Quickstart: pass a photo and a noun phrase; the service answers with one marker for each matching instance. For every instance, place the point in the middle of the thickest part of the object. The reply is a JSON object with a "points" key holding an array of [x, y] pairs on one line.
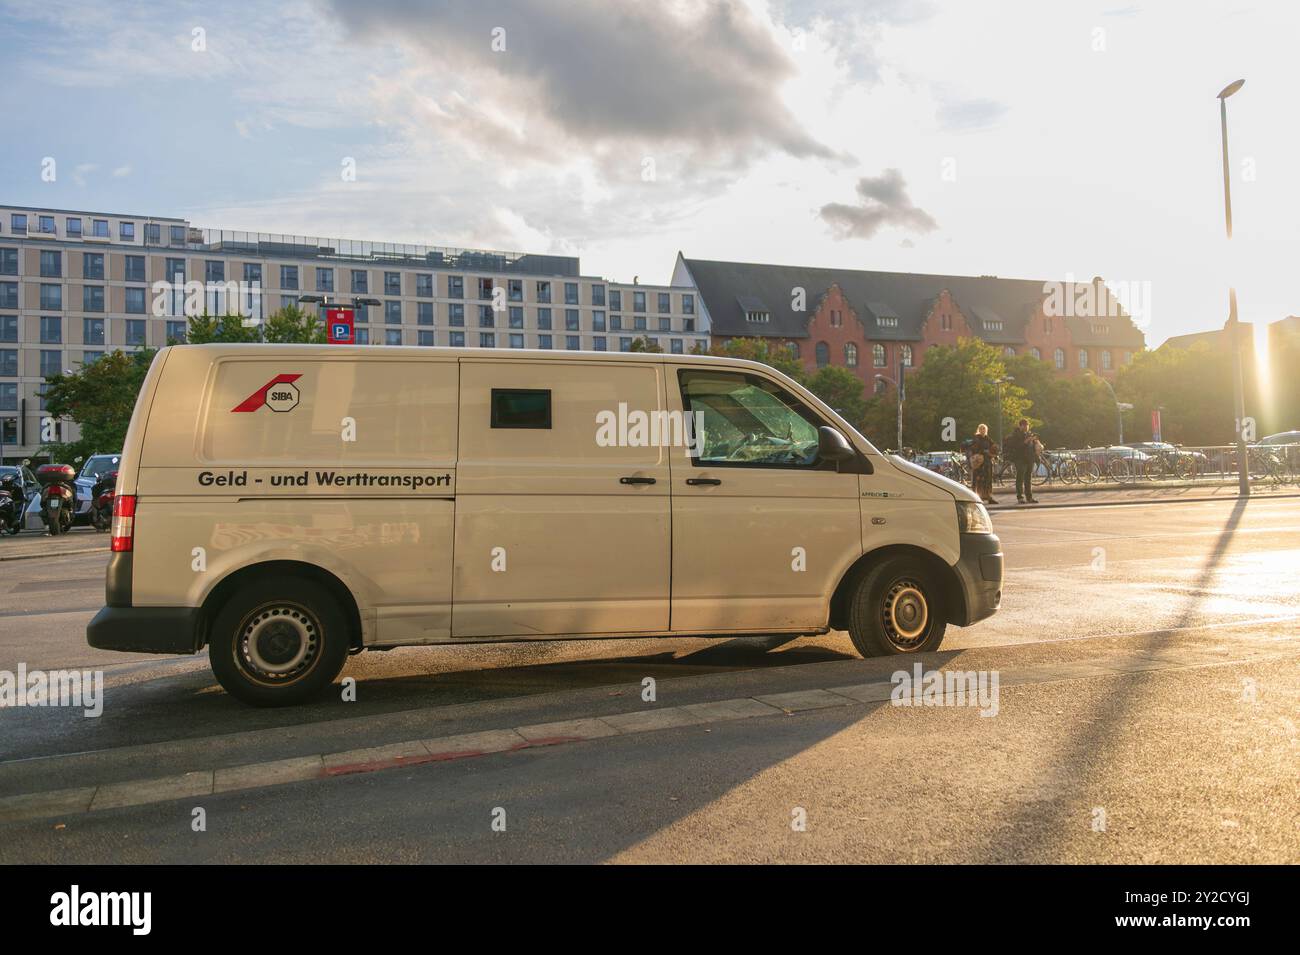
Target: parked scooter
{"points": [[12, 503], [101, 501], [58, 499]]}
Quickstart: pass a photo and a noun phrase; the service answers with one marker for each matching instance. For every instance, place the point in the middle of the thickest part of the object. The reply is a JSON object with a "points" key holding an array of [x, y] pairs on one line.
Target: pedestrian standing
{"points": [[1023, 448], [982, 452]]}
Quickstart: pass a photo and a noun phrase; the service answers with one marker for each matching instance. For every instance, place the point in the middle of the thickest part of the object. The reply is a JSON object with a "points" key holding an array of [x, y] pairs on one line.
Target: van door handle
{"points": [[711, 482], [636, 480]]}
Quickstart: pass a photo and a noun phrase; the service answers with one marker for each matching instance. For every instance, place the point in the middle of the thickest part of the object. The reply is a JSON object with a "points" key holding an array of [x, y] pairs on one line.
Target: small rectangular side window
{"points": [[521, 408]]}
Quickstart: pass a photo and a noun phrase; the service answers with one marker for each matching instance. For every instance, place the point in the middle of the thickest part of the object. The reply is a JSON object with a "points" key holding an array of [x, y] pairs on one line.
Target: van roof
{"points": [[447, 353]]}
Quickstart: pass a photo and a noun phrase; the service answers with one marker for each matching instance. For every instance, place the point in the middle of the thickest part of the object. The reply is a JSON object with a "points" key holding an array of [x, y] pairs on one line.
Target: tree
{"points": [[842, 390], [1193, 388], [289, 324], [760, 350], [643, 344], [1068, 411], [956, 382], [99, 398]]}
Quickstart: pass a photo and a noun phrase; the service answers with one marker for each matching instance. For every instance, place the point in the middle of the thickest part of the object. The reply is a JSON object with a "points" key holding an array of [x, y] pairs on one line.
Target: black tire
{"points": [[55, 525], [278, 642], [880, 622]]}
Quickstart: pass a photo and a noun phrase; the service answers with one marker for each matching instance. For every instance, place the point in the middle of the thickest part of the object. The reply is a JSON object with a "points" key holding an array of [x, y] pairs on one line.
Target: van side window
{"points": [[521, 408], [748, 421]]}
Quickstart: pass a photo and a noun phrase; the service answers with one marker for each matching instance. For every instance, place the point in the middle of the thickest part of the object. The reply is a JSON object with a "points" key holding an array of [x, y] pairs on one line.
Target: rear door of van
{"points": [[562, 526], [333, 457]]}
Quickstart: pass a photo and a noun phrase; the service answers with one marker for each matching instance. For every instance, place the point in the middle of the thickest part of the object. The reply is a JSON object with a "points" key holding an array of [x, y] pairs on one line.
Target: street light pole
{"points": [[898, 390], [1000, 382], [1233, 327]]}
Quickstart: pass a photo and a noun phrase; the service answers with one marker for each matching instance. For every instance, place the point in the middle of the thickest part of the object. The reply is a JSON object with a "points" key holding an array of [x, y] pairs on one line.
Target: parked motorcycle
{"points": [[12, 503], [58, 498], [101, 501]]}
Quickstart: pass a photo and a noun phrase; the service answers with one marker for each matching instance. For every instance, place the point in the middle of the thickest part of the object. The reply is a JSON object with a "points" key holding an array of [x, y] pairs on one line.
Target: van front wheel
{"points": [[278, 642], [896, 607]]}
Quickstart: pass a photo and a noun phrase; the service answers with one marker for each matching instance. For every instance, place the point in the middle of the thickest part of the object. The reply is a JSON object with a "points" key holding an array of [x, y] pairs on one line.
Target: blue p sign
{"points": [[341, 330]]}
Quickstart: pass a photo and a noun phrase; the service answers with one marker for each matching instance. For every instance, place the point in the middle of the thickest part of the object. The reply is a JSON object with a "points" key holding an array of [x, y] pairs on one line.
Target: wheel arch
{"points": [[229, 584], [954, 599]]}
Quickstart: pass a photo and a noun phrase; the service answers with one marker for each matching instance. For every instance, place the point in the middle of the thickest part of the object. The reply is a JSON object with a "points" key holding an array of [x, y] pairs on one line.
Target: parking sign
{"points": [[339, 321]]}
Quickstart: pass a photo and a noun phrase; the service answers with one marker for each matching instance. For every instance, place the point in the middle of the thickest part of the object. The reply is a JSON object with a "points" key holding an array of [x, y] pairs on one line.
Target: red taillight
{"points": [[123, 522]]}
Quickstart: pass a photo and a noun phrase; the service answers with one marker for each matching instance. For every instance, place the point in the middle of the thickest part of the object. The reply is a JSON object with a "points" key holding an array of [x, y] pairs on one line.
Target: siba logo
{"points": [[278, 394]]}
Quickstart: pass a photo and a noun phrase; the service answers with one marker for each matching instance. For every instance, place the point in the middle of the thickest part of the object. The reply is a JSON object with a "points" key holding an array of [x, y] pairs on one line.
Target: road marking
{"points": [[62, 802]]}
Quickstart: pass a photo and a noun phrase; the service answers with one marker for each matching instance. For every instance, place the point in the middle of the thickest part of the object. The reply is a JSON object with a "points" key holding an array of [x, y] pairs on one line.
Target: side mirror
{"points": [[832, 445], [27, 462]]}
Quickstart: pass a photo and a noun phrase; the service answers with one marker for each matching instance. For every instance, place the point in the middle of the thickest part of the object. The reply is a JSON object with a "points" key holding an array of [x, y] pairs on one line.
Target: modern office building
{"points": [[74, 285]]}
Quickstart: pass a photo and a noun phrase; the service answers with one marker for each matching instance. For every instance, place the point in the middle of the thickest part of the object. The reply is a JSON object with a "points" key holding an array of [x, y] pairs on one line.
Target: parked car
{"points": [[495, 496], [1282, 437], [96, 466]]}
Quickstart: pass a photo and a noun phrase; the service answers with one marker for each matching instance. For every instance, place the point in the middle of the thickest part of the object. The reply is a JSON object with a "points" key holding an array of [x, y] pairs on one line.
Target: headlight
{"points": [[972, 518]]}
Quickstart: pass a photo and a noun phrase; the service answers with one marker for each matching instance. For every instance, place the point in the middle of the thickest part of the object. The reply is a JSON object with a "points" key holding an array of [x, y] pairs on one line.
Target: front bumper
{"points": [[979, 568], [145, 629]]}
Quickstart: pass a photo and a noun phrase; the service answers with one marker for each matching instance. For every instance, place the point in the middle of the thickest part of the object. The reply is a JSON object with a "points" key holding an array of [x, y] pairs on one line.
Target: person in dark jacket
{"points": [[982, 451], [1022, 449]]}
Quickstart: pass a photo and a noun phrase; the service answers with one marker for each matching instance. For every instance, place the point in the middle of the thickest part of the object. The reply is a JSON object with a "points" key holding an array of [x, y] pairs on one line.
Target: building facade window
{"points": [[456, 314], [544, 319], [324, 280], [598, 295], [289, 276], [135, 331], [597, 320], [571, 323], [823, 354], [544, 341], [516, 340], [1083, 358], [214, 270], [688, 304], [906, 356], [424, 313], [851, 355], [72, 227], [424, 285], [92, 298], [360, 282], [487, 340], [176, 332], [878, 356], [570, 293], [152, 233], [51, 330], [8, 261], [134, 268], [134, 301], [8, 328], [51, 264], [665, 303], [1058, 358], [486, 317], [51, 363], [638, 301], [175, 271], [92, 265], [1105, 361], [544, 292], [392, 283], [615, 300], [92, 331], [392, 336], [424, 338], [571, 343], [516, 317], [456, 339], [455, 286], [392, 312], [1036, 353], [9, 362], [177, 234], [126, 231], [485, 289], [1008, 352], [515, 290], [8, 294]]}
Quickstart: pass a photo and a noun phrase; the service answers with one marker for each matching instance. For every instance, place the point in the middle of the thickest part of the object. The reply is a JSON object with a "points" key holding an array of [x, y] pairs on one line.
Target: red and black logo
{"points": [[278, 394]]}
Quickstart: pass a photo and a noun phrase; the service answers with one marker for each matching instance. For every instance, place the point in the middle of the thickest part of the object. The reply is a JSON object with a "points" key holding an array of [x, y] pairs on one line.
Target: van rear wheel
{"points": [[278, 642], [896, 607]]}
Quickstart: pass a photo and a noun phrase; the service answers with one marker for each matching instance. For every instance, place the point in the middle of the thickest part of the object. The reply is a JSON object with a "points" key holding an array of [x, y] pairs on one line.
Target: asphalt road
{"points": [[1182, 765]]}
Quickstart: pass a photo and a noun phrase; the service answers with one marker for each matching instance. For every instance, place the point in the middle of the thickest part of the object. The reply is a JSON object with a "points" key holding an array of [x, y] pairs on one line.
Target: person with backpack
{"points": [[1024, 450]]}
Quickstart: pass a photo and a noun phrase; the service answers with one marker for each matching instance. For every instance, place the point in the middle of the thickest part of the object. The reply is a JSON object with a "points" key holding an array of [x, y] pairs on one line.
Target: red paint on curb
{"points": [[349, 769]]}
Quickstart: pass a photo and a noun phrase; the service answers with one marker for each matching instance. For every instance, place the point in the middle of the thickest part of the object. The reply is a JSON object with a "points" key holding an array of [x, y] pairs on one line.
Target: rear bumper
{"points": [[979, 568], [145, 629]]}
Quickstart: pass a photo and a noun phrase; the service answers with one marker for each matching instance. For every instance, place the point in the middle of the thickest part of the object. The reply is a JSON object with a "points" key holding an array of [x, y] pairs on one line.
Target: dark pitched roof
{"points": [[985, 300]]}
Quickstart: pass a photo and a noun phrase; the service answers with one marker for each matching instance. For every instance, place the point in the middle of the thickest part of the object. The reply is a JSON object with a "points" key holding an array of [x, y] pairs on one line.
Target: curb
{"points": [[1154, 500], [62, 553]]}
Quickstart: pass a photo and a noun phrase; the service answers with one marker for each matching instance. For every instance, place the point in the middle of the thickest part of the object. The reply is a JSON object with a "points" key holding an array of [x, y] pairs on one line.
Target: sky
{"points": [[1054, 141]]}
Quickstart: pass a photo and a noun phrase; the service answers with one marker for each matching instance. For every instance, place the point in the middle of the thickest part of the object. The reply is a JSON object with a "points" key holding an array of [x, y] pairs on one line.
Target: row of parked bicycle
{"points": [[58, 497], [1273, 460]]}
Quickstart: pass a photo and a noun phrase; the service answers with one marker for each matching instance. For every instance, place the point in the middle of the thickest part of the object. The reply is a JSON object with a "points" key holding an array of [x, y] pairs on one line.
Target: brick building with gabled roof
{"points": [[870, 321]]}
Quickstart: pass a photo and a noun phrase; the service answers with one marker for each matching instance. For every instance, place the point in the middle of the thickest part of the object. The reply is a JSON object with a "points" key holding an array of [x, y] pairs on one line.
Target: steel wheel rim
{"points": [[905, 614], [278, 642]]}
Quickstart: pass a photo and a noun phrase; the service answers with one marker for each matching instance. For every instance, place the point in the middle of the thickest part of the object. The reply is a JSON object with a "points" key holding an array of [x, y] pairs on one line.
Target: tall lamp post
{"points": [[898, 390], [1005, 379], [1233, 327], [1120, 406]]}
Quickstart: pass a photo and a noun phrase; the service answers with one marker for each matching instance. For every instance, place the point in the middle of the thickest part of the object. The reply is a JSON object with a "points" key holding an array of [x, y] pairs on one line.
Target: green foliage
{"points": [[760, 350], [955, 381], [842, 390], [1069, 411], [1192, 385], [289, 325], [643, 344], [99, 398]]}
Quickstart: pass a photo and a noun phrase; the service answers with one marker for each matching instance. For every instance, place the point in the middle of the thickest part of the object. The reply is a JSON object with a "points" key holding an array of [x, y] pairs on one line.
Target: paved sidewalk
{"points": [[1064, 496]]}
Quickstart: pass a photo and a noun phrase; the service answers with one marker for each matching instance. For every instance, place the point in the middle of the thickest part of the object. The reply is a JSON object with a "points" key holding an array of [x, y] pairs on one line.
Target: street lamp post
{"points": [[1120, 406], [1233, 327], [1000, 382], [898, 390]]}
